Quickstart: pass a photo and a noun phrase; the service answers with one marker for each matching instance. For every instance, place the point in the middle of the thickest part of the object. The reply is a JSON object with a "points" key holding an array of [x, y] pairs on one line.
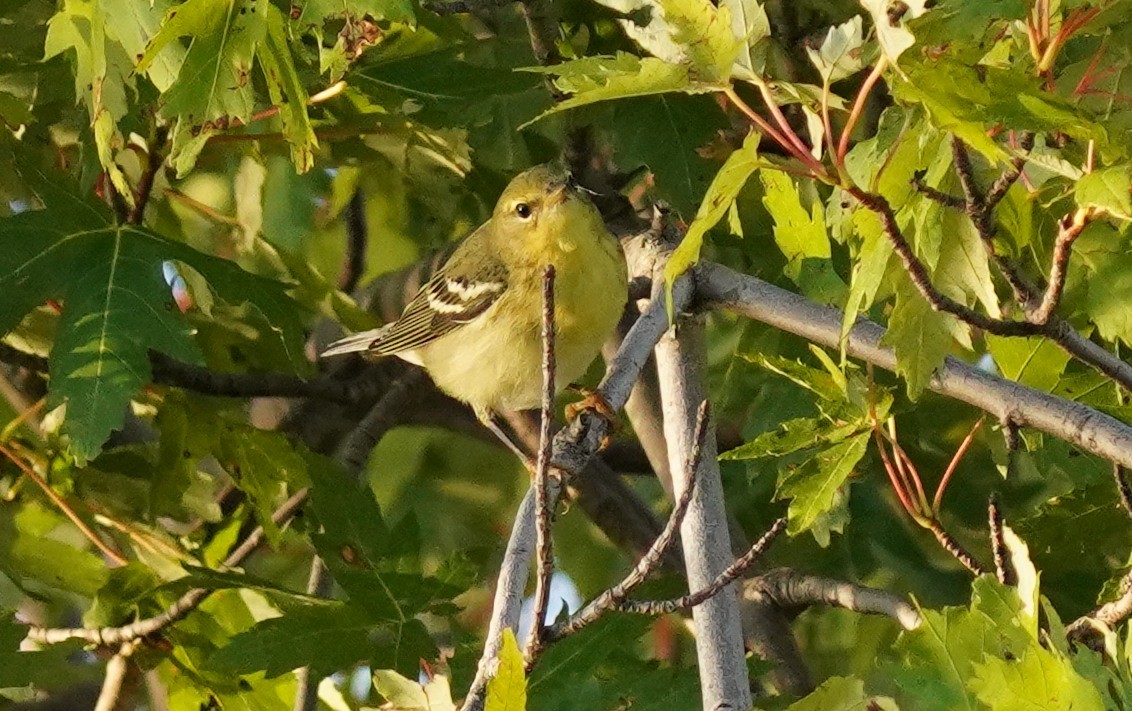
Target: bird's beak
{"points": [[558, 195]]}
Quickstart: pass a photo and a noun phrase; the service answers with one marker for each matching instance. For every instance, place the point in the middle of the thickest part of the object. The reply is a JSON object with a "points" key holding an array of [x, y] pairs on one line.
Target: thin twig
{"points": [[116, 669], [918, 273], [953, 547], [319, 584], [732, 573], [945, 199], [544, 511], [116, 558], [859, 107], [1069, 229], [574, 447], [999, 188], [355, 450], [611, 598], [112, 636], [1002, 568]]}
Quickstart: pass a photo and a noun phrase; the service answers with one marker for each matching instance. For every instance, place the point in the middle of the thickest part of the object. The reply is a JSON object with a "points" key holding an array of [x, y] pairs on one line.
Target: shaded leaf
{"points": [[720, 195]]}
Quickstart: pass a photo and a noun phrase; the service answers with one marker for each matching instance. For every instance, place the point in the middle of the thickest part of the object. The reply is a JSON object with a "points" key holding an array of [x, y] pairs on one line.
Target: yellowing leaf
{"points": [[840, 52], [693, 33], [102, 72], [507, 690], [214, 87], [750, 27], [800, 234], [889, 18]]}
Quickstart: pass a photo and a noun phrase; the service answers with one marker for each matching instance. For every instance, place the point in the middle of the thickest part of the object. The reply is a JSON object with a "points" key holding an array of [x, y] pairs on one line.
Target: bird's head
{"points": [[541, 198]]}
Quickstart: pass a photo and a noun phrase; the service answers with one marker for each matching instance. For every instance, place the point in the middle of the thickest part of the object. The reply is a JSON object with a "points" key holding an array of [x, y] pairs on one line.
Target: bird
{"points": [[476, 324]]}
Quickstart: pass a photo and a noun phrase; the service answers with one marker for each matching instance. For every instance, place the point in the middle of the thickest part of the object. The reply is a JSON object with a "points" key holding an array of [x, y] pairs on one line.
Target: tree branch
{"points": [[681, 357], [791, 589], [1084, 427], [116, 671], [1002, 569]]}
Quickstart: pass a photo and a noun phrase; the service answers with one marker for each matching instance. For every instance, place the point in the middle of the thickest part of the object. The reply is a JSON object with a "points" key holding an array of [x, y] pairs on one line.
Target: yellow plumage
{"points": [[476, 326]]}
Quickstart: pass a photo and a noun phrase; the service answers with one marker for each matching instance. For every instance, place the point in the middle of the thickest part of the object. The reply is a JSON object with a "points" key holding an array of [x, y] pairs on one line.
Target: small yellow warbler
{"points": [[476, 325]]}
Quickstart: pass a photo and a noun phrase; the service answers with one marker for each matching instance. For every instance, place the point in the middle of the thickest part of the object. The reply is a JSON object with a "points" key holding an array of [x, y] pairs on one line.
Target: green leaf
{"points": [[594, 79], [287, 91], [720, 195], [792, 436], [800, 233], [920, 337], [665, 133], [841, 693], [264, 465], [813, 485], [1108, 190], [507, 690], [1032, 361], [1106, 277], [1039, 679], [214, 86], [117, 305], [938, 658], [325, 637], [19, 669], [364, 555], [869, 268], [134, 25], [34, 560], [492, 100]]}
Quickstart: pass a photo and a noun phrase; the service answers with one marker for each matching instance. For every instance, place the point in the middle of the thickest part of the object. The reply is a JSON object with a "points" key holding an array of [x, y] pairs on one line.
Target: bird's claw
{"points": [[593, 401]]}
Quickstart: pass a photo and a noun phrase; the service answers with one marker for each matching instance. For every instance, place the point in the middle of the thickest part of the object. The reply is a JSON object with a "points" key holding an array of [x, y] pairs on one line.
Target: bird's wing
{"points": [[448, 301]]}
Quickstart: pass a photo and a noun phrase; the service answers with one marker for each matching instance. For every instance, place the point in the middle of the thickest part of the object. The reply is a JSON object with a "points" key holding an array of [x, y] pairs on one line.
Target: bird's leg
{"points": [[494, 423], [595, 402]]}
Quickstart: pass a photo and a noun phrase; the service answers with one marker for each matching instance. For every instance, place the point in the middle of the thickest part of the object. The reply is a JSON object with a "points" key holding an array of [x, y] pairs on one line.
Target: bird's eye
{"points": [[523, 210]]}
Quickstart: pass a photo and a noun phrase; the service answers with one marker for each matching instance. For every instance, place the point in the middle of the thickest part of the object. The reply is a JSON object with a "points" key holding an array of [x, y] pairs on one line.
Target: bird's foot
{"points": [[593, 401]]}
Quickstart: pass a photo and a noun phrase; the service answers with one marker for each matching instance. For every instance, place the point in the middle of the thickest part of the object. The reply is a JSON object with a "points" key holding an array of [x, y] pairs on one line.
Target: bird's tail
{"points": [[352, 344]]}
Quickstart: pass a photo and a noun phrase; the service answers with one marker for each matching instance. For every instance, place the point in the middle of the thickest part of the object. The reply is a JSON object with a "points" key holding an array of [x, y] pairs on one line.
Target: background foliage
{"points": [[174, 180]]}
